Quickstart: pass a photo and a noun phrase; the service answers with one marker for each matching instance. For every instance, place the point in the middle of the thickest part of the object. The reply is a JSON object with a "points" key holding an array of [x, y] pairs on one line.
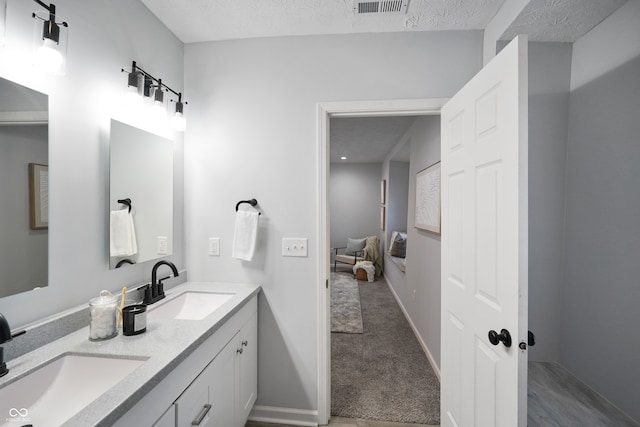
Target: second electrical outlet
{"points": [[214, 246]]}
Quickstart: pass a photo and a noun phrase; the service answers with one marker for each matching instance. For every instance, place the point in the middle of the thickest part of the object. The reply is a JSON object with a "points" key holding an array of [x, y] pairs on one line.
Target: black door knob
{"points": [[531, 339], [504, 336]]}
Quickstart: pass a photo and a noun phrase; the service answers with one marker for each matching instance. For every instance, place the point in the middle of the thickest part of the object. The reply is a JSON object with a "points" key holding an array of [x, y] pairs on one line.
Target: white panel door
{"points": [[484, 246]]}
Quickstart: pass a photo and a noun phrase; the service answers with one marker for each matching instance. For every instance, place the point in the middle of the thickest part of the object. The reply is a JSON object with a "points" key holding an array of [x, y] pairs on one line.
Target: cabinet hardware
{"points": [[239, 351], [203, 413], [245, 343]]}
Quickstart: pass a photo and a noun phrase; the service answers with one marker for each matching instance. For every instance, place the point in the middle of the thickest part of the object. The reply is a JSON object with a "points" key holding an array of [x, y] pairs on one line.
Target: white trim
{"points": [[326, 110], [20, 118], [288, 416], [432, 361]]}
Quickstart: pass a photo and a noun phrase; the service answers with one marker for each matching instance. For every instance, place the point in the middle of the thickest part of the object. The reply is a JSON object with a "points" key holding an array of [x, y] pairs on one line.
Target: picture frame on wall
{"points": [[427, 212], [38, 196], [383, 191]]}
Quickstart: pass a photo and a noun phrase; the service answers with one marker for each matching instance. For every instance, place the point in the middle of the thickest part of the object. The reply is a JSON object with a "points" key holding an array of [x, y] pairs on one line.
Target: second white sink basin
{"points": [[55, 392], [191, 305]]}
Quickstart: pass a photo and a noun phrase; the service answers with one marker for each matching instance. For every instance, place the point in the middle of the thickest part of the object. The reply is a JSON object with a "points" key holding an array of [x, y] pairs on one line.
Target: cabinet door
{"points": [[168, 419], [247, 371], [193, 406], [220, 374]]}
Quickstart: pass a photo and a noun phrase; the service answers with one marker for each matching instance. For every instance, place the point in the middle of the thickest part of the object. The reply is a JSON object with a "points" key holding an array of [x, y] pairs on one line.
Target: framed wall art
{"points": [[427, 215], [38, 196]]}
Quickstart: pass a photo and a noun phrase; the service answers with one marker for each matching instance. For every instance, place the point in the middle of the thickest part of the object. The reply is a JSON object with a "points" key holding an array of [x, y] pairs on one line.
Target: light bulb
{"points": [[158, 111], [178, 122], [48, 58], [132, 98]]}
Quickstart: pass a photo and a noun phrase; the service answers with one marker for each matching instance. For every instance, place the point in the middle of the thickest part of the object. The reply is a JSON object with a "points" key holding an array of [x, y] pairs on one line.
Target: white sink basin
{"points": [[55, 392], [191, 305]]}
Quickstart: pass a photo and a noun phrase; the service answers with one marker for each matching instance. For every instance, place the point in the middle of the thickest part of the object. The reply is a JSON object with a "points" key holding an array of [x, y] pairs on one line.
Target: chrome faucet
{"points": [[5, 336], [155, 290]]}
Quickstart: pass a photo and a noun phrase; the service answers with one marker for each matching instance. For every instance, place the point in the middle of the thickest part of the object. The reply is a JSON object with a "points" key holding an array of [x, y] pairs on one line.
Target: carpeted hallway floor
{"points": [[382, 374]]}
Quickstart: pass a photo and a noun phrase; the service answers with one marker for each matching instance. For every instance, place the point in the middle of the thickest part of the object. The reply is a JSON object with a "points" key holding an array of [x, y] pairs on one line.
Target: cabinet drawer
{"points": [[193, 406]]}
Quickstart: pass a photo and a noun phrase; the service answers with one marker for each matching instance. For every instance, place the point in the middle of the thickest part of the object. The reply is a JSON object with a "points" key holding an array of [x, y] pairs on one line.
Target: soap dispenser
{"points": [[5, 336]]}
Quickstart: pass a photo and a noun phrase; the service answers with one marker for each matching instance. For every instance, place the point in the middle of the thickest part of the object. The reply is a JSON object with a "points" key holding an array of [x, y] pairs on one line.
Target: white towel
{"points": [[244, 237], [122, 234]]}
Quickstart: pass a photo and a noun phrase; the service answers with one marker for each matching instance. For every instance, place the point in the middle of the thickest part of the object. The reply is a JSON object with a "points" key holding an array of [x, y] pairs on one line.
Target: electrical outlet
{"points": [[294, 247], [214, 246], [163, 245]]}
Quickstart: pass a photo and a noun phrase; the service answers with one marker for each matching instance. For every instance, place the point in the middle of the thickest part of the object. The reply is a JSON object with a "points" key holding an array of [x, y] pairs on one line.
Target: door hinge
{"points": [[326, 284]]}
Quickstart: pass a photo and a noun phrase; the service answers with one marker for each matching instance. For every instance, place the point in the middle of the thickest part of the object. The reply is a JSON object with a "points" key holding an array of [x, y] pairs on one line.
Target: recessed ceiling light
{"points": [[343, 158]]}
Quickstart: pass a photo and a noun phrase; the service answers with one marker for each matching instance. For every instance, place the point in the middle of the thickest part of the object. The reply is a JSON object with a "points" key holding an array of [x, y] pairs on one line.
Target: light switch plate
{"points": [[163, 245], [214, 246], [294, 246]]}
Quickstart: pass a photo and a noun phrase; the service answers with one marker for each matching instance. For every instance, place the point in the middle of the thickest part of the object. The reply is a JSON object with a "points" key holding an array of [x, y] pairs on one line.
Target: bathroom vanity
{"points": [[195, 365]]}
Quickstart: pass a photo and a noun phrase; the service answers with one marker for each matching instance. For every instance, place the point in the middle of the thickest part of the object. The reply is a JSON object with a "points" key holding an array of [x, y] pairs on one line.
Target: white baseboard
{"points": [[430, 358], [277, 415]]}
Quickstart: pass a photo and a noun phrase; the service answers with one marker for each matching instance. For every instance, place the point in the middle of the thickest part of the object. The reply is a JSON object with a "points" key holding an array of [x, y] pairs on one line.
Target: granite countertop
{"points": [[165, 344]]}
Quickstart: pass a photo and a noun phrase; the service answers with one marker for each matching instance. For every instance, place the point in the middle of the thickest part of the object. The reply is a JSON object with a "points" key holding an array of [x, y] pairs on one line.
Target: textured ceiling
{"points": [[366, 139], [205, 20], [560, 20]]}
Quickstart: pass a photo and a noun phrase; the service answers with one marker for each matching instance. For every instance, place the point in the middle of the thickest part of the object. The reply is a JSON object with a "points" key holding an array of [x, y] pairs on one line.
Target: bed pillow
{"points": [[355, 245], [399, 246]]}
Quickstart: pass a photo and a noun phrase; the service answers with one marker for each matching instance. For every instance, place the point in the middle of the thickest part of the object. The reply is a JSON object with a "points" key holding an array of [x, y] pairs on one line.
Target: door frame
{"points": [[326, 111]]}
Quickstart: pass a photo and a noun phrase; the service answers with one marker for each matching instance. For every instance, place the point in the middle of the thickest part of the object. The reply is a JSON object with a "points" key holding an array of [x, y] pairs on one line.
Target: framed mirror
{"points": [[24, 188], [140, 196]]}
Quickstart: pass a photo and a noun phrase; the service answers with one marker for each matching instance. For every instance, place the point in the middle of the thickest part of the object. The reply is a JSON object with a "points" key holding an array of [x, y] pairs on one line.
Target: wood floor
{"points": [[558, 399]]}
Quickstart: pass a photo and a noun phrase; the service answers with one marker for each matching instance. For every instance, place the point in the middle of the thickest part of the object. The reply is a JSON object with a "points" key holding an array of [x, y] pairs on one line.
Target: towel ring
{"points": [[252, 202], [127, 202]]}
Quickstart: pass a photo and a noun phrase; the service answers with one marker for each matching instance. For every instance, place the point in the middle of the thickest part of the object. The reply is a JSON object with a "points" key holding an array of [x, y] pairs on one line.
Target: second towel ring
{"points": [[126, 202]]}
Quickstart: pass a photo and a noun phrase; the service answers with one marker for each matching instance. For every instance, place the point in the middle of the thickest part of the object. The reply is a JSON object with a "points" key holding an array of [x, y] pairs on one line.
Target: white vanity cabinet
{"points": [[215, 386], [224, 393], [246, 370], [209, 400]]}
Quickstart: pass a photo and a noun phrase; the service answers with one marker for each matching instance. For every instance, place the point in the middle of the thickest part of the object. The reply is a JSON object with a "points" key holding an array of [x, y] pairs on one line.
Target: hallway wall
{"points": [[354, 201], [418, 289]]}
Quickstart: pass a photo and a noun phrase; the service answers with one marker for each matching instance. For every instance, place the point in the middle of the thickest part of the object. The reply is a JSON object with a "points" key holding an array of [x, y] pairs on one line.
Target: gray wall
{"points": [[419, 288], [256, 122], [354, 200], [549, 85], [103, 38], [23, 252], [600, 314], [397, 199]]}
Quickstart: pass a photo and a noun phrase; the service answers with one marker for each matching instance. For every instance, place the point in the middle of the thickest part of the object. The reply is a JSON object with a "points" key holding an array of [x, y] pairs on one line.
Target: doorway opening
{"points": [[326, 112]]}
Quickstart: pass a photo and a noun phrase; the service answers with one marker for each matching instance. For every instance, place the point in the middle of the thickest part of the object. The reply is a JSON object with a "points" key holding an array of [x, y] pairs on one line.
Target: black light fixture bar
{"points": [[51, 29], [159, 83]]}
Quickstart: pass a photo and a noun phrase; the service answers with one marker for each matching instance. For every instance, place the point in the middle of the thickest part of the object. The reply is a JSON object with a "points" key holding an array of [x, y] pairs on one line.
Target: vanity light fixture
{"points": [[50, 40], [142, 84]]}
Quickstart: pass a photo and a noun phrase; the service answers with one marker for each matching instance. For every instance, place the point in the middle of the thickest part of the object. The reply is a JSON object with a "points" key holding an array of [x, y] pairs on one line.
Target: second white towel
{"points": [[122, 234], [245, 235]]}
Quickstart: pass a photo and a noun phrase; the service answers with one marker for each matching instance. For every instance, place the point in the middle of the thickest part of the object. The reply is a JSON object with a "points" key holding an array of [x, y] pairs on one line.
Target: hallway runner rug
{"points": [[382, 374], [346, 316]]}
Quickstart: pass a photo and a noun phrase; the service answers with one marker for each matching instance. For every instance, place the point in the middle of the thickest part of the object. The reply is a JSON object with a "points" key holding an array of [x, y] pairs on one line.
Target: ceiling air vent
{"points": [[377, 7]]}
